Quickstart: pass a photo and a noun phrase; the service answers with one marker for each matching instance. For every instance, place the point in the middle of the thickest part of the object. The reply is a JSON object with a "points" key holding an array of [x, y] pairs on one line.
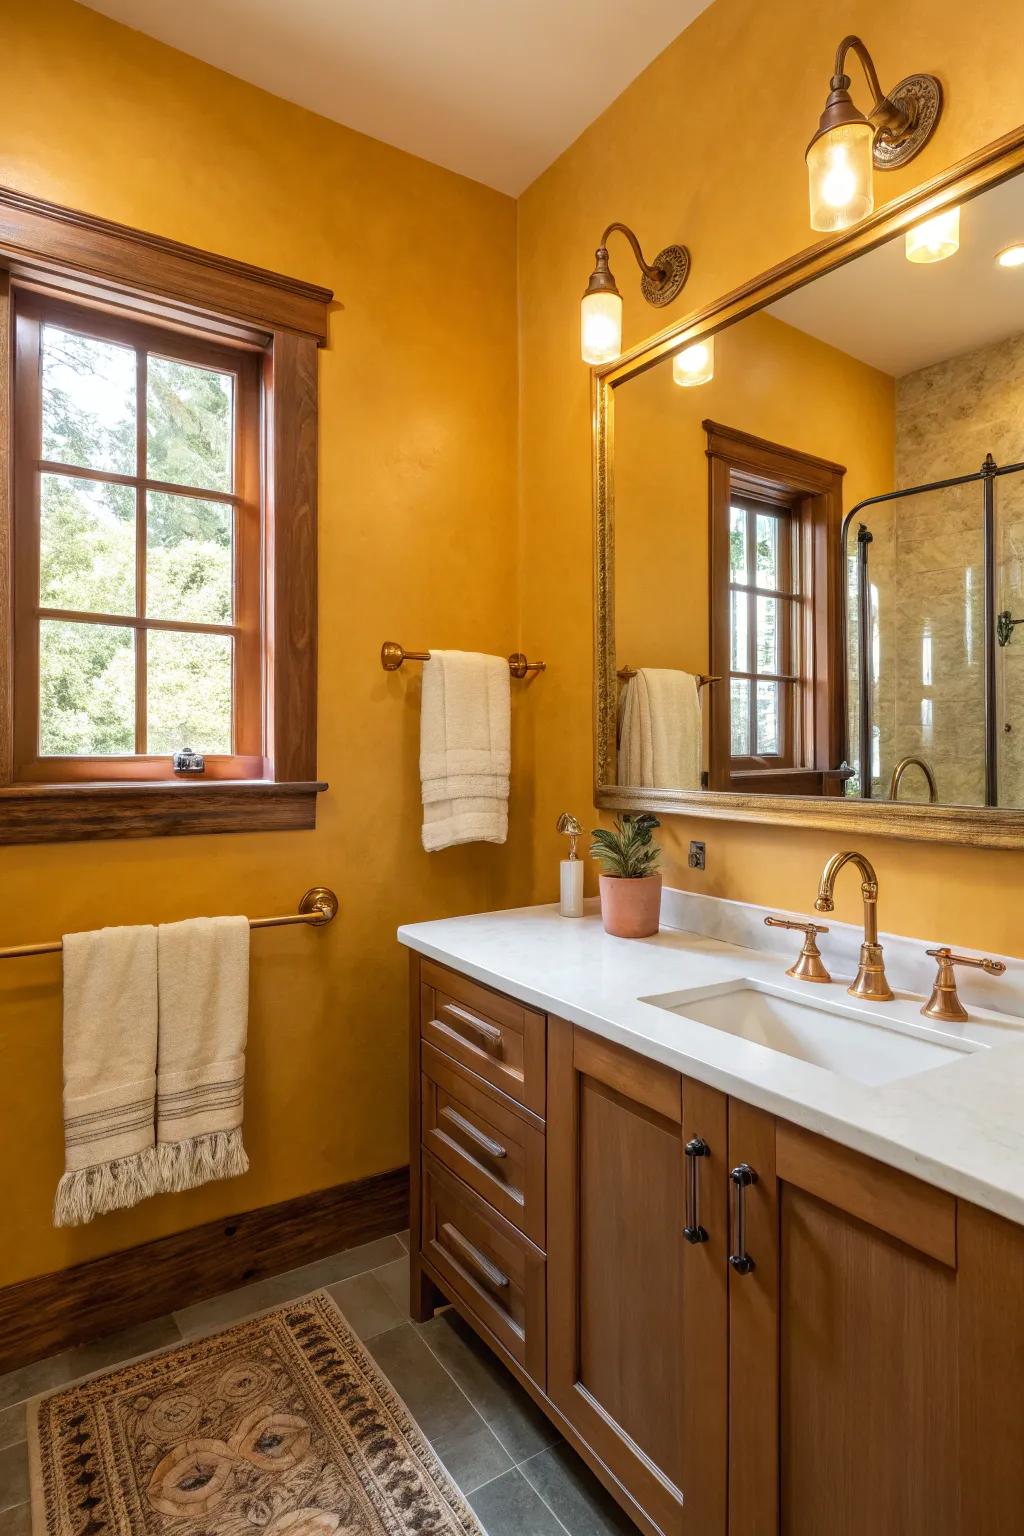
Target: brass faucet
{"points": [[870, 981], [901, 768]]}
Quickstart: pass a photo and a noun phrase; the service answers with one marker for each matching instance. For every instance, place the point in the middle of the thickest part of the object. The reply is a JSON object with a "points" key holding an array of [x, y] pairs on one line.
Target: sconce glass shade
{"points": [[935, 239], [1013, 256], [840, 176], [696, 364], [601, 327]]}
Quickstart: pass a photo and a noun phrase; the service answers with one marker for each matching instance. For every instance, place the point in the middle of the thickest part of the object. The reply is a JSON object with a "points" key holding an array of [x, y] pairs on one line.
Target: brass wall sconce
{"points": [[849, 146], [661, 281]]}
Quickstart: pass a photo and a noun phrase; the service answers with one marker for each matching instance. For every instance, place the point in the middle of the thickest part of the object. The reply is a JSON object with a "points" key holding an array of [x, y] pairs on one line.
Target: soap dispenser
{"points": [[570, 869]]}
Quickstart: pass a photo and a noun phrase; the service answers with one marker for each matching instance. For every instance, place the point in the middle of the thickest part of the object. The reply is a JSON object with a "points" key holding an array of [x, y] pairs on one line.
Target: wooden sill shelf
{"points": [[66, 813]]}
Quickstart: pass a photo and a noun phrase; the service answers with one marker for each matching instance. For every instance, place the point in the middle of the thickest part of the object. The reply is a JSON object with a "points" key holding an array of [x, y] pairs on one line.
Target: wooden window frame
{"points": [[276, 324], [247, 760], [789, 677], [744, 468]]}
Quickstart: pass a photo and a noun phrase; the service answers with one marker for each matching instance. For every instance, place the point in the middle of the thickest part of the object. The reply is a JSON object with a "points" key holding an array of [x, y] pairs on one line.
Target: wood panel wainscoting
{"points": [[50, 1313], [847, 1357]]}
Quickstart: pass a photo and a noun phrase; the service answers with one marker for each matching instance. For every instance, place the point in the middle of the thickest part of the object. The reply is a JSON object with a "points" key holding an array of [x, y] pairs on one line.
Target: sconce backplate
{"points": [[674, 262], [920, 97]]}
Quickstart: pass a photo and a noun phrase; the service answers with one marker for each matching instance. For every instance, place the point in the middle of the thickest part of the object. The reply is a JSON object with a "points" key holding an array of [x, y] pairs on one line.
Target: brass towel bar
{"points": [[627, 672], [392, 655], [318, 907]]}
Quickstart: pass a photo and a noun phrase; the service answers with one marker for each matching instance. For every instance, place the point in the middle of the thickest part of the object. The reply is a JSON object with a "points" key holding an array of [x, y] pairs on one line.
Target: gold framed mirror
{"points": [[809, 558]]}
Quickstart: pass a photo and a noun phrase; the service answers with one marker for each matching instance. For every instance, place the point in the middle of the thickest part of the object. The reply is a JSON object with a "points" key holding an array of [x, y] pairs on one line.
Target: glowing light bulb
{"points": [[696, 364], [1013, 256], [840, 176], [935, 239], [601, 327]]}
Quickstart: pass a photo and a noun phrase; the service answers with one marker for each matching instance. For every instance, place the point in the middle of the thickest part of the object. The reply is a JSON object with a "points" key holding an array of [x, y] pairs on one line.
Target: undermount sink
{"points": [[844, 1040]]}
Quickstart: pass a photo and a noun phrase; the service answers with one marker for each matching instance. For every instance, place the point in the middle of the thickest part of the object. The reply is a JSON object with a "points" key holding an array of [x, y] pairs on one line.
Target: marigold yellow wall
{"points": [[706, 146], [771, 380], [417, 500]]}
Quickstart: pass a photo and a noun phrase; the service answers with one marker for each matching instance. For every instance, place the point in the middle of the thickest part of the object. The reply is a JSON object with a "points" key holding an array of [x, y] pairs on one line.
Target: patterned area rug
{"points": [[282, 1424]]}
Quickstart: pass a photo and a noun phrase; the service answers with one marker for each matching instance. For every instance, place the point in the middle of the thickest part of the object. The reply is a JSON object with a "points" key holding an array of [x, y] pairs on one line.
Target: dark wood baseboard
{"points": [[54, 1312]]}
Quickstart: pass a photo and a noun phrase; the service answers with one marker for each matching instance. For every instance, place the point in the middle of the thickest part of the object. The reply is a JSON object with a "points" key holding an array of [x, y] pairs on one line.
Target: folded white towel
{"points": [[465, 749], [660, 742], [110, 1030], [203, 968]]}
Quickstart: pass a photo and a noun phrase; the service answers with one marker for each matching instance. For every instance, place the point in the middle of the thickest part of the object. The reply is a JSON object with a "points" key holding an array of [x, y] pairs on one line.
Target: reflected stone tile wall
{"points": [[926, 572]]}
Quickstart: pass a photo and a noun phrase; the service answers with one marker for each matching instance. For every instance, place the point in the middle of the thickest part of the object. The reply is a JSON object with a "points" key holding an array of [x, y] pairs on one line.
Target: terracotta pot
{"points": [[630, 909]]}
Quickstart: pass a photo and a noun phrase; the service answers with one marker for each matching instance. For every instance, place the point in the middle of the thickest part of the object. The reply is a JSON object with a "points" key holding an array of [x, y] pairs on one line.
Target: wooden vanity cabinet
{"points": [[745, 1328], [637, 1326]]}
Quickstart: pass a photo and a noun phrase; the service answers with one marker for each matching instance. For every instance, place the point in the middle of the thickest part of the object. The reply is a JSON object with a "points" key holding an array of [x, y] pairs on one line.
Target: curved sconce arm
{"points": [[662, 279]]}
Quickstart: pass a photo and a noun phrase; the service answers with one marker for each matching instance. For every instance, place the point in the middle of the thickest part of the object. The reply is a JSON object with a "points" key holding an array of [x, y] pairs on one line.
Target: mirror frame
{"points": [[977, 826]]}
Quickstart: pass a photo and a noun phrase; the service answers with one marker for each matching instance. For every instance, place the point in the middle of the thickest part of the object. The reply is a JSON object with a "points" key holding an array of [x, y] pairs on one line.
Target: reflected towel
{"points": [[110, 1029], [203, 970], [660, 740], [465, 749]]}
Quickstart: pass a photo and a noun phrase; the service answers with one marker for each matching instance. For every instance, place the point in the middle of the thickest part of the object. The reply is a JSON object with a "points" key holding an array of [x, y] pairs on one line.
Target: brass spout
{"points": [[901, 768], [870, 981]]}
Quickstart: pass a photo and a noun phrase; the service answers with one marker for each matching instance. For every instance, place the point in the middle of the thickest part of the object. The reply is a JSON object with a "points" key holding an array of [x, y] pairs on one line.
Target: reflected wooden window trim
{"points": [[805, 491], [133, 279]]}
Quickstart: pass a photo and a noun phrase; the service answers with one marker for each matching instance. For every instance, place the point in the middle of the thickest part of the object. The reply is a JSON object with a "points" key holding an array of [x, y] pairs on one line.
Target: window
{"points": [[777, 717], [158, 533], [765, 653], [137, 549]]}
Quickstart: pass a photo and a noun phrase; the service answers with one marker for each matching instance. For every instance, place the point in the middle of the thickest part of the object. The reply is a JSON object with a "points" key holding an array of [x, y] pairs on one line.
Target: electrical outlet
{"points": [[696, 860]]}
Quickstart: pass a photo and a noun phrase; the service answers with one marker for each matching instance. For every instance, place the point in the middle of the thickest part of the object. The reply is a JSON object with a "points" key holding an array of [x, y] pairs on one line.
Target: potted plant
{"points": [[630, 881]]}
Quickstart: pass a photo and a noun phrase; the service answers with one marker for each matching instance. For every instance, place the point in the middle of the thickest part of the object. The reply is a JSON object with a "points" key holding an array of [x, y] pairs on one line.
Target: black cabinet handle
{"points": [[696, 1148], [742, 1177]]}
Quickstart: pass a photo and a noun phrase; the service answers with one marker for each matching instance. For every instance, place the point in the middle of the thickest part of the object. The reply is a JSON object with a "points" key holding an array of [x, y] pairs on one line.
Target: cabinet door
{"points": [[638, 1348], [843, 1342]]}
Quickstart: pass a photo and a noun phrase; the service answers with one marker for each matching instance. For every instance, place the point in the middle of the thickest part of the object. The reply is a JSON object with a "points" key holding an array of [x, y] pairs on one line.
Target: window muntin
{"points": [[137, 580], [764, 636]]}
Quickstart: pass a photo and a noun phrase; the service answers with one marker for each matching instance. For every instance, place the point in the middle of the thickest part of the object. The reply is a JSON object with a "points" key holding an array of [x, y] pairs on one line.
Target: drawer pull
{"points": [[492, 1148], [488, 1034], [742, 1177], [491, 1273], [696, 1148]]}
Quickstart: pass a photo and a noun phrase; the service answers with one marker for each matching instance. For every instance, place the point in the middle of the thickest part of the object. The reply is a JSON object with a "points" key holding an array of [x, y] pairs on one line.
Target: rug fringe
{"points": [[111, 1186], [200, 1160]]}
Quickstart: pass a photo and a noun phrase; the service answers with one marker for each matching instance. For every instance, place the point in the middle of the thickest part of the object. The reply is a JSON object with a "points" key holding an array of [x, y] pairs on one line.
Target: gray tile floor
{"points": [[518, 1474]]}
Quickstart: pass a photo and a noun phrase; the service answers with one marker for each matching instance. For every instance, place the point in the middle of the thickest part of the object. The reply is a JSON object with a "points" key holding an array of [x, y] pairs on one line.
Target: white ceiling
{"points": [[899, 317], [492, 90]]}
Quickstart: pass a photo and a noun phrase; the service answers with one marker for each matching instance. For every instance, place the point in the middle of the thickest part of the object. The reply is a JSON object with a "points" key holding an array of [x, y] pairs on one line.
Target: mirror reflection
{"points": [[819, 533]]}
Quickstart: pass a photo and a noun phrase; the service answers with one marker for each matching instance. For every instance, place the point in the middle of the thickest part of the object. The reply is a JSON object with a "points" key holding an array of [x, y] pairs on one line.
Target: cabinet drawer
{"points": [[494, 1036], [488, 1144], [496, 1272]]}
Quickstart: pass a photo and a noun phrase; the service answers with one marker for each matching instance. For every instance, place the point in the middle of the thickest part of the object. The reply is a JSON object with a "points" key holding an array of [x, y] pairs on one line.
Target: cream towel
{"points": [[110, 1030], [203, 969], [660, 742], [465, 749]]}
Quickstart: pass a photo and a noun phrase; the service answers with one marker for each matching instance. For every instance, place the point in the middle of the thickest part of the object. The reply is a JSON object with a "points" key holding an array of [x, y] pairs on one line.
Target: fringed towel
{"points": [[110, 1031], [465, 749], [660, 740], [203, 968]]}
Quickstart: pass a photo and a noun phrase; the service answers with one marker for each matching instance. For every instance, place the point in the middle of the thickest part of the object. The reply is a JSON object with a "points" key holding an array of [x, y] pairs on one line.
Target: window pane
{"points": [[767, 650], [768, 732], [189, 424], [737, 544], [189, 692], [766, 562], [86, 689], [740, 609], [86, 545], [739, 704], [88, 401], [189, 561]]}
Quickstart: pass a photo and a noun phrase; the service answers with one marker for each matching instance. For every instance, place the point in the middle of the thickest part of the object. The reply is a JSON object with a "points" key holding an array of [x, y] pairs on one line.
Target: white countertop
{"points": [[959, 1126]]}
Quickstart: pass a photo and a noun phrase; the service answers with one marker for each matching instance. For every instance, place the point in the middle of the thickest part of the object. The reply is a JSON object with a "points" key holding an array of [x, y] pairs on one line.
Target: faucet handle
{"points": [[944, 1002], [809, 966]]}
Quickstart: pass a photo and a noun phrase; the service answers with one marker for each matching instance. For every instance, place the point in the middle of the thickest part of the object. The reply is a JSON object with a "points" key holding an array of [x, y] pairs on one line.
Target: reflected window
{"points": [[764, 646]]}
